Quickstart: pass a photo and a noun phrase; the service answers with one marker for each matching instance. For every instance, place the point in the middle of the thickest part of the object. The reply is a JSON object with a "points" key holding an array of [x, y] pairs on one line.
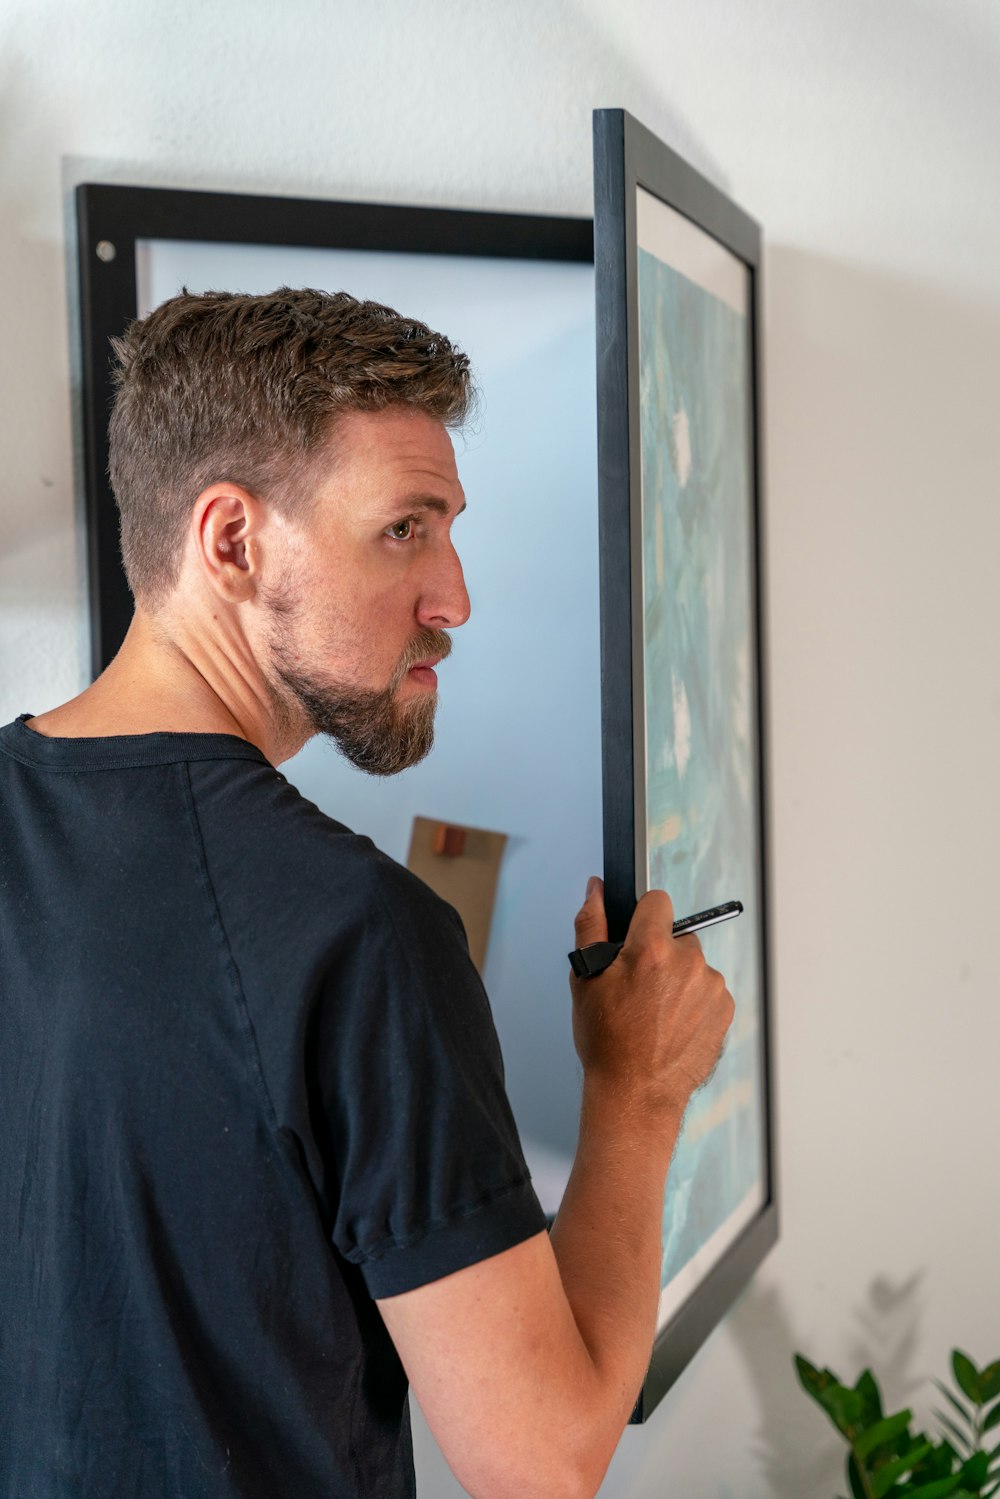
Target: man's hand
{"points": [[527, 1365], [652, 1025]]}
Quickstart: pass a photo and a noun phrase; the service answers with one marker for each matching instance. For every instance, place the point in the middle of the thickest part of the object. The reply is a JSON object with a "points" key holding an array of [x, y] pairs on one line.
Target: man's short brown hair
{"points": [[218, 387]]}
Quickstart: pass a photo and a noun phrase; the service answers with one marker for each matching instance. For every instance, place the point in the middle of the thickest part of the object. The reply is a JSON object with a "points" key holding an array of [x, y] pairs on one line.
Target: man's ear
{"points": [[225, 525]]}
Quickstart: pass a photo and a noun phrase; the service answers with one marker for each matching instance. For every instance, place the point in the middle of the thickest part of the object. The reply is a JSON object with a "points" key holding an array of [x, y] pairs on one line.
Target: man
{"points": [[259, 1170]]}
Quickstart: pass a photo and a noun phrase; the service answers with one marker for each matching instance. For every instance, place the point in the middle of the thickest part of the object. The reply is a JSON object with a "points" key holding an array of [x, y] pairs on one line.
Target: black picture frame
{"points": [[113, 219], [628, 157]]}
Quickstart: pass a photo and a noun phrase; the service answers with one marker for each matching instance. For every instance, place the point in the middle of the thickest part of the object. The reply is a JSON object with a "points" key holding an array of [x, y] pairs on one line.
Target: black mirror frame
{"points": [[111, 220]]}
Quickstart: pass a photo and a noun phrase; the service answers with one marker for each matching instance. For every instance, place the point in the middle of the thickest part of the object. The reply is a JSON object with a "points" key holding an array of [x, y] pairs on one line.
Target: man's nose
{"points": [[444, 603]]}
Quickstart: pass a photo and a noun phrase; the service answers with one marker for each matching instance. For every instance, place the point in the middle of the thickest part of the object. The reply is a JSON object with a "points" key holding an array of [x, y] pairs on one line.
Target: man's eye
{"points": [[406, 526]]}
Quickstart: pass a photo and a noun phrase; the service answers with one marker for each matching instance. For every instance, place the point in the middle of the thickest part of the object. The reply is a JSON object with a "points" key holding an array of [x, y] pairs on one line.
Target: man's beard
{"points": [[378, 734]]}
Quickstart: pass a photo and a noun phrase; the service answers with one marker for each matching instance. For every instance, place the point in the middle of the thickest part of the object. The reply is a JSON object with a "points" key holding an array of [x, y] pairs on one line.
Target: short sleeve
{"points": [[424, 1156]]}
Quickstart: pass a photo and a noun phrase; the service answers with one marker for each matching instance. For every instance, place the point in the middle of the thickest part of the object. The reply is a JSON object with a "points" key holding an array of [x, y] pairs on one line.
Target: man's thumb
{"points": [[591, 921]]}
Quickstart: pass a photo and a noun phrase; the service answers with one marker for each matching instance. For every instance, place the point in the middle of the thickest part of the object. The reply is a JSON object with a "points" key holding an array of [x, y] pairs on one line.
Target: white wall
{"points": [[864, 137]]}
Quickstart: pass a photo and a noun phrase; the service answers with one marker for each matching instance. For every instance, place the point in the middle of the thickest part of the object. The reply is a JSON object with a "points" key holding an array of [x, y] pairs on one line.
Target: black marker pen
{"points": [[596, 956]]}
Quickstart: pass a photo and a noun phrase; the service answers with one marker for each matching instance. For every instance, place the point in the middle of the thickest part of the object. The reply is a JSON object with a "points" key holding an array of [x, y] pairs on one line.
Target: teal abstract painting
{"points": [[699, 702]]}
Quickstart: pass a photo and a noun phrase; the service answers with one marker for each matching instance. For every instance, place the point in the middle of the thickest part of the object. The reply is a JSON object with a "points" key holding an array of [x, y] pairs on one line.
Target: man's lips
{"points": [[423, 672]]}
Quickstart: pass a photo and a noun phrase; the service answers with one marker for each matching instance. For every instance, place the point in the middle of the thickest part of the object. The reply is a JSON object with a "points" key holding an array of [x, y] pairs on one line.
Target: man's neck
{"points": [[154, 685]]}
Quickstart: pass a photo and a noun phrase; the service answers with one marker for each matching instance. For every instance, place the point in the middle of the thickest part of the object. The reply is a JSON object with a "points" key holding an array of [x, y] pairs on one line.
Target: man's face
{"points": [[370, 583]]}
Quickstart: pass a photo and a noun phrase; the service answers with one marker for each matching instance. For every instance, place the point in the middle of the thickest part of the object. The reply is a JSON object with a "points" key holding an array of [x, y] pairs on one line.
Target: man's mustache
{"points": [[431, 644]]}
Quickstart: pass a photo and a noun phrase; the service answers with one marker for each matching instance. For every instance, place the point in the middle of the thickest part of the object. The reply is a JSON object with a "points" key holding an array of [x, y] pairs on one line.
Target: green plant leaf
{"points": [[870, 1393], [975, 1471], [854, 1478], [937, 1490], [881, 1433], [844, 1407], [993, 1419], [987, 1493], [966, 1376], [885, 1477], [814, 1381], [989, 1381], [942, 1463]]}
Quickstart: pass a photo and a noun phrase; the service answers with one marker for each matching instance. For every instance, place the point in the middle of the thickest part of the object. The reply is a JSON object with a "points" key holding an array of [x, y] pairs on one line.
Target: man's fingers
{"points": [[591, 922], [652, 919], [653, 916]]}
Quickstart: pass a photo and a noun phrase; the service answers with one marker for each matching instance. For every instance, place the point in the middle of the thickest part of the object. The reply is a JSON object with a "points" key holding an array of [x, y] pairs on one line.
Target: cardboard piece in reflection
{"points": [[462, 865]]}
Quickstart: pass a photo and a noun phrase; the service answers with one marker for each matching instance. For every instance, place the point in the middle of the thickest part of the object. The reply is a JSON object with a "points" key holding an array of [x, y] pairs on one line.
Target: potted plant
{"points": [[889, 1461]]}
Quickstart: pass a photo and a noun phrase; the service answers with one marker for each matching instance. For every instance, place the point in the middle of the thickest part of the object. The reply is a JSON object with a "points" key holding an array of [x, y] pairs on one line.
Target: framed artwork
{"points": [[678, 287]]}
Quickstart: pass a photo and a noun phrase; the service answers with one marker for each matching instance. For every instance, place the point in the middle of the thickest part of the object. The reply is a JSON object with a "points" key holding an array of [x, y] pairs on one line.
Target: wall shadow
{"points": [[794, 1449], [797, 1451]]}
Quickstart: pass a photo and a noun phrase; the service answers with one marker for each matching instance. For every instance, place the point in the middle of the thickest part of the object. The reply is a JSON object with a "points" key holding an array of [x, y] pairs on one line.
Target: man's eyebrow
{"points": [[416, 503]]}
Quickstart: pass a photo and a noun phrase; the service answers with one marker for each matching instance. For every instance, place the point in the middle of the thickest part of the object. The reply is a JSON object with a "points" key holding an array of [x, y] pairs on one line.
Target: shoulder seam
{"points": [[229, 961]]}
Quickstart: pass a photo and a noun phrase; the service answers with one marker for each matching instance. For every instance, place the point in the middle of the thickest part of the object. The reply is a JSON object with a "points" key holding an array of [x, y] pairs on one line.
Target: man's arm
{"points": [[527, 1364]]}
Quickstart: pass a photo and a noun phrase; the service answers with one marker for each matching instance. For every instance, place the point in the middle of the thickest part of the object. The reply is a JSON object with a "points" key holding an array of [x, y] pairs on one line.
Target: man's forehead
{"points": [[399, 432], [400, 456]]}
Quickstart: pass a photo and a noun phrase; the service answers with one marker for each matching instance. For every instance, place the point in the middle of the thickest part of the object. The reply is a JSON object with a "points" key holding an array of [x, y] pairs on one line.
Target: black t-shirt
{"points": [[249, 1081]]}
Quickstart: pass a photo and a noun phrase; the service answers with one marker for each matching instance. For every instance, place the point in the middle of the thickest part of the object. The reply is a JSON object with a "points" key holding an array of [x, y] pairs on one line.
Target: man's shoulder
{"points": [[268, 818], [262, 833]]}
